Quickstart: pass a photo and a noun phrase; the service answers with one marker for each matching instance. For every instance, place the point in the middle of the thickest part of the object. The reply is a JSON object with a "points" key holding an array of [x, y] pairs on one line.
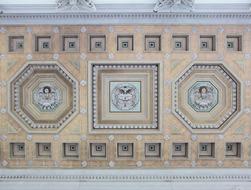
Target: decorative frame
{"points": [[97, 38], [13, 41], [180, 156], [183, 39], [33, 121], [90, 145], [149, 157], [211, 40], [234, 154], [12, 150], [39, 40], [125, 43], [38, 151], [70, 156], [209, 153], [219, 75], [156, 39], [236, 40], [130, 155], [106, 121], [67, 40]]}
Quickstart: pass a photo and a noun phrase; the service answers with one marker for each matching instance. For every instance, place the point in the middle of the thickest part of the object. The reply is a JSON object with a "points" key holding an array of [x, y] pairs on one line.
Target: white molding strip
{"points": [[125, 14], [222, 179]]}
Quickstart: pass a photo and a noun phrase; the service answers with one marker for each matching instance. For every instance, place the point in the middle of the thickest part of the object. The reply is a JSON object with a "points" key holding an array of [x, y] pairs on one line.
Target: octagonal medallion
{"points": [[206, 96], [44, 97]]}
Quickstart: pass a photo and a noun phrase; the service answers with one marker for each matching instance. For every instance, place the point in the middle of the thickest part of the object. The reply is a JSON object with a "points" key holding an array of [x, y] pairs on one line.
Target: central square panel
{"points": [[124, 96]]}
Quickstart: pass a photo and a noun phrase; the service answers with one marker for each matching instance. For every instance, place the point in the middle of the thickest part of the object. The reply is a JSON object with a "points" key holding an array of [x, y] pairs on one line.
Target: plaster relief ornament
{"points": [[207, 97], [76, 5], [125, 96], [174, 5], [44, 97], [47, 97], [203, 96]]}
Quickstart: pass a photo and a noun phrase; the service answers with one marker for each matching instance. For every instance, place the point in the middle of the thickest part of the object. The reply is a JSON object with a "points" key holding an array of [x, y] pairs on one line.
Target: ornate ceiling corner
{"points": [[207, 97], [43, 97], [75, 5], [174, 5]]}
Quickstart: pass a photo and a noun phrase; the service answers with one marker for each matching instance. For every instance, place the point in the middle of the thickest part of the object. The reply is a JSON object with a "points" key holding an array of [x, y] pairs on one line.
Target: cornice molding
{"points": [[111, 179], [124, 18], [111, 175], [117, 14]]}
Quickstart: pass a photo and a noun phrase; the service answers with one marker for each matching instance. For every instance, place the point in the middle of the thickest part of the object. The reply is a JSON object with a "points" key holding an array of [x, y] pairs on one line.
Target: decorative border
{"points": [[166, 176], [124, 131], [26, 73], [21, 117], [227, 115], [202, 14], [155, 68], [125, 18], [229, 76]]}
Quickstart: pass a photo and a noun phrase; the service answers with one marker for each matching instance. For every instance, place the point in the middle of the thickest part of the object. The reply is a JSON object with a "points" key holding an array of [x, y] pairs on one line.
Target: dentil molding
{"points": [[173, 179], [201, 14]]}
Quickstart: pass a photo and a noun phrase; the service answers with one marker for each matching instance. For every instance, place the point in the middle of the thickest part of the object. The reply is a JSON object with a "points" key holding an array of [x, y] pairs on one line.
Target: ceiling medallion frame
{"points": [[222, 112], [104, 79], [55, 89]]}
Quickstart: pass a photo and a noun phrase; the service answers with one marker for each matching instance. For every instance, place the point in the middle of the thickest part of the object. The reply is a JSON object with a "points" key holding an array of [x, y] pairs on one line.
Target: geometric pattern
{"points": [[152, 150], [97, 150], [43, 97], [124, 96], [206, 96], [180, 150], [70, 150], [125, 150]]}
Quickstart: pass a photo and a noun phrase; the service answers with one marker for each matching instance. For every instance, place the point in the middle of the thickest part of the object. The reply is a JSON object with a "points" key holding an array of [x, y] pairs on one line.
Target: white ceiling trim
{"points": [[117, 14], [118, 1], [134, 179]]}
